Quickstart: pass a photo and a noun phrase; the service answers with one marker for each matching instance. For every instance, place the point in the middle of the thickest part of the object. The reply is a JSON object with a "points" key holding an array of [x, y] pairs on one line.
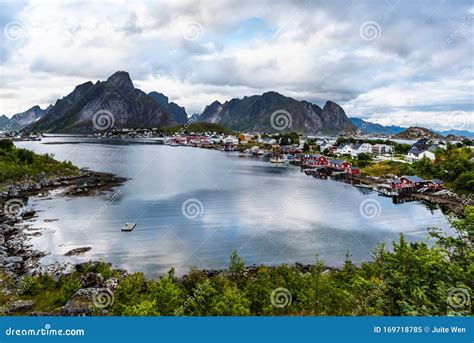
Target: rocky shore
{"points": [[17, 258]]}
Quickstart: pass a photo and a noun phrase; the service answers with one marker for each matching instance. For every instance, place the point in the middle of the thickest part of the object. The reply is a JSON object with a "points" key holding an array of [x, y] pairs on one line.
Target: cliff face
{"points": [[273, 112], [177, 112], [111, 104]]}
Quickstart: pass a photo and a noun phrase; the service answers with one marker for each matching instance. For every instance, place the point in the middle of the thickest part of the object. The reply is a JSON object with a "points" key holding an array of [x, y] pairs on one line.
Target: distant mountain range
{"points": [[117, 104], [273, 112], [373, 128], [21, 120]]}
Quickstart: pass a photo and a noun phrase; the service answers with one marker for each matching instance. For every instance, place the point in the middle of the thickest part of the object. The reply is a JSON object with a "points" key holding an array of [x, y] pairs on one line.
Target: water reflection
{"points": [[270, 214]]}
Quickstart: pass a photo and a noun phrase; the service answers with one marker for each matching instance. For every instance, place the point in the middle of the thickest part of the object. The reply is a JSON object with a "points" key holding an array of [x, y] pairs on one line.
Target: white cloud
{"points": [[418, 69]]}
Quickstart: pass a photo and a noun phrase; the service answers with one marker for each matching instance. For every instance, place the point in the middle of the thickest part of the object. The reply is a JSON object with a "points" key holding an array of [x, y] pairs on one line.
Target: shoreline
{"points": [[18, 260]]}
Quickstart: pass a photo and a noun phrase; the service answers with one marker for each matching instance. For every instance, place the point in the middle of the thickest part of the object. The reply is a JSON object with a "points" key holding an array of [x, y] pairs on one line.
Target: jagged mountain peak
{"points": [[254, 113], [127, 106]]}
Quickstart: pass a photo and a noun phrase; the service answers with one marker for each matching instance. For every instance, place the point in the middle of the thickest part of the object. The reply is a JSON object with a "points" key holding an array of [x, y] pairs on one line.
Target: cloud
{"points": [[417, 68]]}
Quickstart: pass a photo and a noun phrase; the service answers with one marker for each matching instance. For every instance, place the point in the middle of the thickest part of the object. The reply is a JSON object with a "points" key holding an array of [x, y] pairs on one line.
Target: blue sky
{"points": [[392, 62]]}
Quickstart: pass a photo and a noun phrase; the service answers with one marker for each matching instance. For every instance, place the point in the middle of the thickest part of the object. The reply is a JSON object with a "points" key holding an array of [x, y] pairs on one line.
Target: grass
{"points": [[22, 165]]}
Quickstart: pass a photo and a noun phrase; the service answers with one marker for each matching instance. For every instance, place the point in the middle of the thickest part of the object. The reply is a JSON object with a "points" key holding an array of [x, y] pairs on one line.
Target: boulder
{"points": [[85, 300], [92, 280], [14, 259], [21, 306]]}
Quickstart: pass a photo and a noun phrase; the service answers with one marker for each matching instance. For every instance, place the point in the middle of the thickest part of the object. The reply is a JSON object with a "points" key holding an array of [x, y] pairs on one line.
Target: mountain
{"points": [[111, 104], [272, 111], [373, 128], [3, 121], [177, 112], [194, 118], [415, 133], [23, 119], [458, 133]]}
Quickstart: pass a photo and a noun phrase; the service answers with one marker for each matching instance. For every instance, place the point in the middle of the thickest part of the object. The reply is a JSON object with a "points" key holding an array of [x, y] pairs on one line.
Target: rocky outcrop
{"points": [[414, 133]]}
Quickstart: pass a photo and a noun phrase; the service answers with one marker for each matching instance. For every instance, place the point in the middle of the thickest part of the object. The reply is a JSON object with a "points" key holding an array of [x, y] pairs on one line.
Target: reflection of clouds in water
{"points": [[304, 216]]}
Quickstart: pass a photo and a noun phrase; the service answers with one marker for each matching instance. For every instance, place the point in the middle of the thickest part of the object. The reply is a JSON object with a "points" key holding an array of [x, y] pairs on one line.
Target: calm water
{"points": [[270, 214]]}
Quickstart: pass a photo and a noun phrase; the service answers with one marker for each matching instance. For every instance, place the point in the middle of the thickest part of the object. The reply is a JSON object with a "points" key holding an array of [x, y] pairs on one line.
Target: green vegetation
{"points": [[454, 166], [411, 279], [21, 164], [199, 127]]}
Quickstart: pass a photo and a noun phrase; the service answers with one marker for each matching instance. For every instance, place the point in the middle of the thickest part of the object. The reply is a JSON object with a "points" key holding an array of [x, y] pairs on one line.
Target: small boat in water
{"points": [[127, 227], [276, 160]]}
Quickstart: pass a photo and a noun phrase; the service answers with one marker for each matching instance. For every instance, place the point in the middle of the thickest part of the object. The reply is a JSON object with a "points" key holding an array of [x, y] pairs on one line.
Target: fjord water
{"points": [[270, 214]]}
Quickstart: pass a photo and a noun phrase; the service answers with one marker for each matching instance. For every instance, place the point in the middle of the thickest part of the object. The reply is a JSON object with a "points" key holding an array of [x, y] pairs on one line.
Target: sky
{"points": [[388, 61]]}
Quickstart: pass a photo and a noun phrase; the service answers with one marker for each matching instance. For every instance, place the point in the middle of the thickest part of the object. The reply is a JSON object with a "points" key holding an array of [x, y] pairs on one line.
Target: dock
{"points": [[127, 227]]}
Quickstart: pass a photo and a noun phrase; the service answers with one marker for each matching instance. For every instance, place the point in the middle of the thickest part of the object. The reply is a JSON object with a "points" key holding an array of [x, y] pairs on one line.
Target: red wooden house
{"points": [[435, 184], [413, 181], [339, 164]]}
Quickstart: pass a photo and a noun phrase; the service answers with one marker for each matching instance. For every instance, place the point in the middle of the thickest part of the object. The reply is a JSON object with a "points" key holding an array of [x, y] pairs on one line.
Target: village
{"points": [[339, 158], [320, 157]]}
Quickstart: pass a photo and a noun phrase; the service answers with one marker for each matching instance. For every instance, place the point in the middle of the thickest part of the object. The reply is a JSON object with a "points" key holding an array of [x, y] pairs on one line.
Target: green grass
{"points": [[23, 165], [410, 279]]}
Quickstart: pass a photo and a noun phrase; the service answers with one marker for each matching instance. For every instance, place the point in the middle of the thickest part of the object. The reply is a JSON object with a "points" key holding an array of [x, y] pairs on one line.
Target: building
{"points": [[325, 146], [416, 154], [314, 161], [344, 149], [435, 184], [231, 140], [412, 181], [339, 164], [381, 149], [364, 148]]}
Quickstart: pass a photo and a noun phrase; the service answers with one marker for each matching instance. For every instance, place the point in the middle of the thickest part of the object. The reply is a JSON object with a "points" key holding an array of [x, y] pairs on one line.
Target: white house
{"points": [[364, 148], [415, 154], [381, 149], [231, 140], [344, 149], [325, 146]]}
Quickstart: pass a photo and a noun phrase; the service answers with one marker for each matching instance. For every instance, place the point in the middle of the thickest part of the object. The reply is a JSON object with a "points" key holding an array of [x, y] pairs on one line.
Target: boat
{"points": [[276, 160], [127, 227]]}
